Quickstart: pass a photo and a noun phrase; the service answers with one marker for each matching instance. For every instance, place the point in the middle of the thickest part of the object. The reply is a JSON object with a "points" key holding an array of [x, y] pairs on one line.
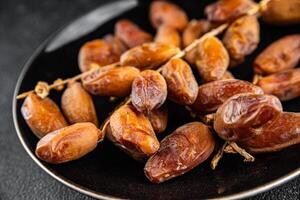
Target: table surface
{"points": [[23, 26]]}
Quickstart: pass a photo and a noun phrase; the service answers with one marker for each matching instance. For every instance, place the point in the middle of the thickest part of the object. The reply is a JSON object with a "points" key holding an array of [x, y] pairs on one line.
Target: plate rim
{"points": [[98, 195]]}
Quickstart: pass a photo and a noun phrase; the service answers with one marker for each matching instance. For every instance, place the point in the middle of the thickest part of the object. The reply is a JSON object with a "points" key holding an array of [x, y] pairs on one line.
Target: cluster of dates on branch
{"points": [[149, 70]]}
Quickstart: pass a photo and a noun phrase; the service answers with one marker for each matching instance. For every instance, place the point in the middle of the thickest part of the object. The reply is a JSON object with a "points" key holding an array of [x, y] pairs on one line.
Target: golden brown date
{"points": [[110, 82], [117, 45], [149, 91], [77, 105], [42, 115], [166, 13], [159, 119], [242, 37], [212, 59], [96, 53], [69, 143], [168, 35], [282, 12], [214, 94], [227, 10], [132, 132], [184, 149], [131, 34], [285, 85], [182, 85], [148, 56], [282, 132], [243, 115], [280, 55], [194, 30]]}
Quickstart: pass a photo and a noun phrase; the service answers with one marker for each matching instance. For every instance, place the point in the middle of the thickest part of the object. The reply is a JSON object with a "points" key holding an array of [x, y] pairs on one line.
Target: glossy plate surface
{"points": [[108, 173]]}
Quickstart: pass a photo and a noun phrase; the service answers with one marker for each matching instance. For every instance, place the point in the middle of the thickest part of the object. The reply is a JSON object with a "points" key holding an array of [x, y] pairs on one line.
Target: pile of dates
{"points": [[250, 115]]}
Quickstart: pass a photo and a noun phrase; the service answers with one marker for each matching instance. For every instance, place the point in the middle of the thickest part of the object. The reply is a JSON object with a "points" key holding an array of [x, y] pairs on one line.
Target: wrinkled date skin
{"points": [[242, 37], [149, 91], [96, 53], [117, 45], [243, 115], [77, 105], [132, 132], [110, 82], [166, 13], [69, 143], [281, 132], [280, 55], [227, 10], [282, 12], [182, 85], [194, 30], [187, 147], [159, 119], [131, 34], [42, 115], [285, 85], [214, 94], [168, 35], [212, 59], [148, 56]]}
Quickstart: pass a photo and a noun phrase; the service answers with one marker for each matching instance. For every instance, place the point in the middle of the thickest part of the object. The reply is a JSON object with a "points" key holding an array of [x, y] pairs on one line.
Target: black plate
{"points": [[107, 173]]}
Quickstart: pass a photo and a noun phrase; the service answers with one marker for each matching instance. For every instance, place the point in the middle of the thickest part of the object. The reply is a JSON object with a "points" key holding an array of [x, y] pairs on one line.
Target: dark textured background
{"points": [[23, 26]]}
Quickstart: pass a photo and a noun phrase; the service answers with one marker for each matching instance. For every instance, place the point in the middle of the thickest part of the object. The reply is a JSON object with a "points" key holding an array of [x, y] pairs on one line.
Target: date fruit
{"points": [[212, 59], [132, 132], [285, 85], [282, 132], [168, 35], [280, 55], [227, 10], [148, 56], [69, 143], [42, 115], [159, 119], [77, 105], [242, 37], [96, 53], [214, 94], [182, 85], [131, 34], [166, 13], [184, 149], [149, 91], [114, 82], [243, 115], [282, 12]]}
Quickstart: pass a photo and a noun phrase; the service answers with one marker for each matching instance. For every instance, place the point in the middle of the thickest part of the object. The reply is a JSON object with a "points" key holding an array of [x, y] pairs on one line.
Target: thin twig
{"points": [[214, 162], [256, 79], [248, 157], [75, 78]]}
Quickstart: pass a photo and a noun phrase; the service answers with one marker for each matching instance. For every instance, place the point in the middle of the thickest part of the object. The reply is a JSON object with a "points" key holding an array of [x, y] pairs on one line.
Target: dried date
{"points": [[182, 85], [184, 149], [42, 115], [149, 91]]}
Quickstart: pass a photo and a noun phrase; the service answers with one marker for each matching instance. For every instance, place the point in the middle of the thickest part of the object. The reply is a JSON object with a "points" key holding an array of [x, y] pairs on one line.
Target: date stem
{"points": [[248, 157], [214, 162], [43, 88], [256, 79]]}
